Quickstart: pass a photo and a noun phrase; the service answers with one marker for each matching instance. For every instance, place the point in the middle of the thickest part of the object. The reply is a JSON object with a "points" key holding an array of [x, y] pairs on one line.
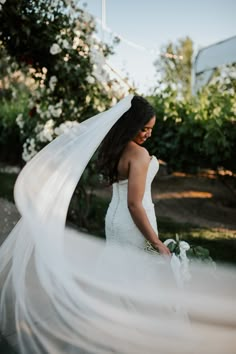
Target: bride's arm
{"points": [[136, 186]]}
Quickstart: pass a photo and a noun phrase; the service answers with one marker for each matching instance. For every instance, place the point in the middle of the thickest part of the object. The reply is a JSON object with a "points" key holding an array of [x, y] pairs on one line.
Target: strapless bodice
{"points": [[120, 227], [120, 189]]}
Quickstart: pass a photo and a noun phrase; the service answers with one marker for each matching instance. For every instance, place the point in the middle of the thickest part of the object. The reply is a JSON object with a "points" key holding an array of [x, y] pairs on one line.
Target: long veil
{"points": [[66, 292]]}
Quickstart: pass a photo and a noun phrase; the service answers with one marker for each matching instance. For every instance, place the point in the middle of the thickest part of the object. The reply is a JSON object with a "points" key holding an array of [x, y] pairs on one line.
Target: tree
{"points": [[174, 66]]}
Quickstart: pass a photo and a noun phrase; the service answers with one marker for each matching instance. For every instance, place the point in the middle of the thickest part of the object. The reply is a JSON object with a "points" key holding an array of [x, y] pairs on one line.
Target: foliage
{"points": [[199, 132], [7, 181], [14, 95], [174, 66], [10, 141], [67, 62]]}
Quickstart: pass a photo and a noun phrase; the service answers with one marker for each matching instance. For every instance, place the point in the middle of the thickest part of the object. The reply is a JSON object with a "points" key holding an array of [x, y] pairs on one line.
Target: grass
{"points": [[5, 347], [7, 181], [221, 243]]}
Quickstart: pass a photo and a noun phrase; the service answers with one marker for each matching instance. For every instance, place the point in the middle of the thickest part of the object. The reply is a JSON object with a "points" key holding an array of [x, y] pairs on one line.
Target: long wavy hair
{"points": [[123, 131]]}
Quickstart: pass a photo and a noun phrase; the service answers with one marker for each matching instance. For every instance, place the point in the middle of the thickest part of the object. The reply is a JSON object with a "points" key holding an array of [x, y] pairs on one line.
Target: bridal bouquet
{"points": [[183, 253]]}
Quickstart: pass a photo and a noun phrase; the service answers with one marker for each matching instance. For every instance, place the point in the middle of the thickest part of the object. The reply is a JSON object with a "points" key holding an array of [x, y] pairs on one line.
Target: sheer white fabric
{"points": [[66, 292]]}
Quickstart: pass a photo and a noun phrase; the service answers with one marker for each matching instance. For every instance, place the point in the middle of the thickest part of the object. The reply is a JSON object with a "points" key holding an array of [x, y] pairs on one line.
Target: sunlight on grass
{"points": [[215, 234], [184, 194]]}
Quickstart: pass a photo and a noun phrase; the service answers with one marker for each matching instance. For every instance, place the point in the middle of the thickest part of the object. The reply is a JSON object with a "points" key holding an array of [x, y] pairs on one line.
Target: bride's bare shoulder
{"points": [[136, 152]]}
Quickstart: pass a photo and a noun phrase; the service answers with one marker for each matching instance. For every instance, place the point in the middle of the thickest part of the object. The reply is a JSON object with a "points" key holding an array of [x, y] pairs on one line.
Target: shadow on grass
{"points": [[220, 243], [5, 348], [7, 181]]}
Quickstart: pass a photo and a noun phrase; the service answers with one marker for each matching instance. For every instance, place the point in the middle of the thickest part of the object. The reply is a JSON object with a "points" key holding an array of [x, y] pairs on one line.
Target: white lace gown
{"points": [[120, 227]]}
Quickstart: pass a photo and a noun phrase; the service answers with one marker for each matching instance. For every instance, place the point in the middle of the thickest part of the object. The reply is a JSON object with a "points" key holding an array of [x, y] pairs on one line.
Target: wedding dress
{"points": [[120, 227], [62, 291]]}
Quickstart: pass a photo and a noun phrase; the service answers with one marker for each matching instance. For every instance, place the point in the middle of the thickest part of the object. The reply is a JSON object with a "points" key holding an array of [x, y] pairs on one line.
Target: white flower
{"points": [[87, 99], [90, 79], [48, 129], [114, 100], [81, 53], [182, 271], [216, 111], [100, 108], [66, 57], [38, 127], [2, 2], [52, 82], [56, 110], [29, 149], [184, 246], [77, 32], [55, 49], [19, 121], [47, 132], [86, 48], [86, 16], [66, 127], [168, 241], [41, 113], [76, 42], [65, 44]]}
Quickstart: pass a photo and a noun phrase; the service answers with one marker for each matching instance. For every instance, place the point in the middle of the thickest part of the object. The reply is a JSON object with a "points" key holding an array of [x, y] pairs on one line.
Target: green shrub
{"points": [[10, 135], [196, 133]]}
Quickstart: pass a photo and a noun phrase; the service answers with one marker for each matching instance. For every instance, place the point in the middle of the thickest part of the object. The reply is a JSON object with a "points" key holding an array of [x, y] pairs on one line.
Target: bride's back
{"points": [[129, 155]]}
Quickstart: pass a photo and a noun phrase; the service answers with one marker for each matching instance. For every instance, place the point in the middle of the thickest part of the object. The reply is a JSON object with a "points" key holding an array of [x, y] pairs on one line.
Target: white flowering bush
{"points": [[58, 42]]}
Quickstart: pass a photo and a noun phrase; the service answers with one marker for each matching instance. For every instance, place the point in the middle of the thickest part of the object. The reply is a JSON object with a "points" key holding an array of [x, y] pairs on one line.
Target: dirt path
{"points": [[201, 200]]}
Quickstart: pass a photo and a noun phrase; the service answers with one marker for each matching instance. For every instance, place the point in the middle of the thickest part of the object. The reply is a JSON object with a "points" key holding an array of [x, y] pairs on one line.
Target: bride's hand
{"points": [[162, 248]]}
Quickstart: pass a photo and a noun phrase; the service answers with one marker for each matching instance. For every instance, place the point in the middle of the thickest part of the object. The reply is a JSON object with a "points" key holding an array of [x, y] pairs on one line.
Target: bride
{"points": [[66, 292], [131, 217]]}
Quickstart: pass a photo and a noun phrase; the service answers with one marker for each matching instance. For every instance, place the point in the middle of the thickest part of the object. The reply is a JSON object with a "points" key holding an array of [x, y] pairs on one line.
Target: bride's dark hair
{"points": [[124, 130]]}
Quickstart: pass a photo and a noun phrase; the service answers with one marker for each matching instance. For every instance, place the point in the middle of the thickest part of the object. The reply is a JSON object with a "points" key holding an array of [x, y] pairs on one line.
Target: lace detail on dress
{"points": [[120, 227]]}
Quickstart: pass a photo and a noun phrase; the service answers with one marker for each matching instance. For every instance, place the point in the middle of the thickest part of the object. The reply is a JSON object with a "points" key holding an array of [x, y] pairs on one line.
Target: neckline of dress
{"points": [[126, 180]]}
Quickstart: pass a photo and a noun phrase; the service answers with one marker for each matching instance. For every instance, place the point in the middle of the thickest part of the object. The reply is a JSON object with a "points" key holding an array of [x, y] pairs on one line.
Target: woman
{"points": [[125, 163], [63, 292]]}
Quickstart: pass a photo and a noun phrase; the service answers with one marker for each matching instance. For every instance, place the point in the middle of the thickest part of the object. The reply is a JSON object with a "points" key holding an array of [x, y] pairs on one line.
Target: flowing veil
{"points": [[66, 292]]}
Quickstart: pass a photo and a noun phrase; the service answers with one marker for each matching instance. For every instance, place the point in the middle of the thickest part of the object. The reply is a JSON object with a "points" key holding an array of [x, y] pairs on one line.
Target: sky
{"points": [[146, 26]]}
